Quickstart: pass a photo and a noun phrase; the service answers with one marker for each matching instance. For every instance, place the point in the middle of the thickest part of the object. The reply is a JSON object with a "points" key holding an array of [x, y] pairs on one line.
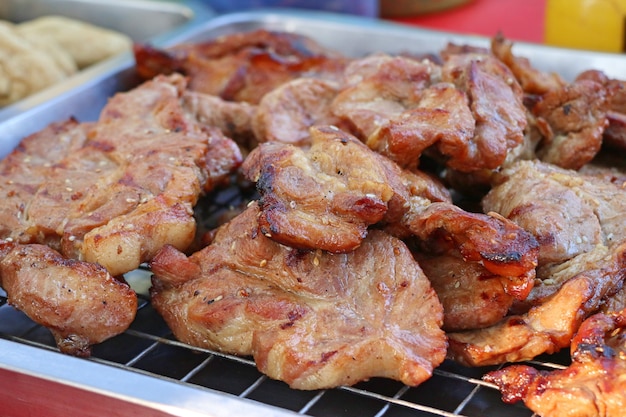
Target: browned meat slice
{"points": [[233, 119], [593, 385], [286, 113], [312, 319], [570, 214], [327, 196], [531, 79], [131, 185], [615, 132], [78, 301], [472, 297], [571, 121], [111, 193], [578, 222], [441, 117], [495, 99], [380, 87], [242, 66], [321, 198]]}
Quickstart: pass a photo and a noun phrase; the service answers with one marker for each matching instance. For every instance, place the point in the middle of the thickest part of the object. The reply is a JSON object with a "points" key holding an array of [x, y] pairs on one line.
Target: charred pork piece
{"points": [[578, 222], [324, 197], [243, 66], [127, 185], [615, 133], [571, 121], [328, 196], [78, 301], [310, 318], [570, 117], [380, 87], [496, 102], [233, 119], [468, 111], [532, 81], [112, 192], [593, 385]]}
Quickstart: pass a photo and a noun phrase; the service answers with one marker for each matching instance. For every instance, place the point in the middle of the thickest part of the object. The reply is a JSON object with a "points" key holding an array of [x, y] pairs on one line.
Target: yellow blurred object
{"points": [[586, 24]]}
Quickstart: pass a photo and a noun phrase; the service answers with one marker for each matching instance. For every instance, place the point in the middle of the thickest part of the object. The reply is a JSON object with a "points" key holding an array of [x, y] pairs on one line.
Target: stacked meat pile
{"points": [[347, 152], [355, 260]]}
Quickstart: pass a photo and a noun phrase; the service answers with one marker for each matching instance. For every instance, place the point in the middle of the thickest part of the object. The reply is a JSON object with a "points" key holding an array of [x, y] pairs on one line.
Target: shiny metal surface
{"points": [[146, 367]]}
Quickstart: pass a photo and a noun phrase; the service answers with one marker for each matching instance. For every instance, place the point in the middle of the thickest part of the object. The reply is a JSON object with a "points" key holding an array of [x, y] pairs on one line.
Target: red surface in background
{"points": [[521, 20]]}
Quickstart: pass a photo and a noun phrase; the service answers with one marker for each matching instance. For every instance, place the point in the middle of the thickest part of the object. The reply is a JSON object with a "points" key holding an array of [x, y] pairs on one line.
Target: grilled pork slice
{"points": [[78, 301], [325, 197], [578, 222], [243, 66], [112, 192], [310, 318], [123, 186], [593, 385]]}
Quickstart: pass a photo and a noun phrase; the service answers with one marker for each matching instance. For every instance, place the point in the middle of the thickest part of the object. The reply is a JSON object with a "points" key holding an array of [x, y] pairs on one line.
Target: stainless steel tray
{"points": [[145, 371], [166, 20]]}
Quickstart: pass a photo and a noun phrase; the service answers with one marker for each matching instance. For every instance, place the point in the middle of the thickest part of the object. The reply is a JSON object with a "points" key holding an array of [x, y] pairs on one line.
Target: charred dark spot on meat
{"points": [[502, 258], [566, 109]]}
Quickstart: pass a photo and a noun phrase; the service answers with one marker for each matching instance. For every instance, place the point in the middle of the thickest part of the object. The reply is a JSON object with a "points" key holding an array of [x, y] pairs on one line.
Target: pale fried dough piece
{"points": [[86, 43], [79, 302], [593, 385], [312, 319], [24, 68]]}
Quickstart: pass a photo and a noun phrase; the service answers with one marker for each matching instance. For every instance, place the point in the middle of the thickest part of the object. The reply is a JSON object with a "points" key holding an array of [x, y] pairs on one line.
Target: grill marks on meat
{"points": [[310, 318], [578, 222], [111, 193], [243, 66], [78, 301], [593, 384]]}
